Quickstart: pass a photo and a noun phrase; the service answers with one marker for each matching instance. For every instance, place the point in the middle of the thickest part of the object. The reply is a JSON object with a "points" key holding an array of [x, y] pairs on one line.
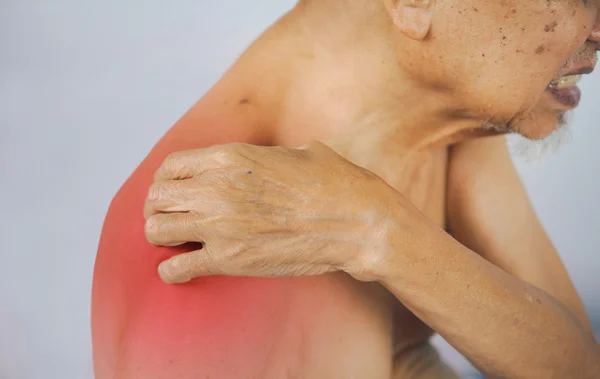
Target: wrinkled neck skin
{"points": [[316, 77]]}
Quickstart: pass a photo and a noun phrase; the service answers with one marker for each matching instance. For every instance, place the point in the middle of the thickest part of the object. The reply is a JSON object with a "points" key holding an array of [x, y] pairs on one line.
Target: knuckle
{"points": [[152, 230], [156, 192], [229, 153], [224, 156], [180, 265], [168, 164], [176, 165], [238, 247], [173, 159], [149, 209], [173, 191]]}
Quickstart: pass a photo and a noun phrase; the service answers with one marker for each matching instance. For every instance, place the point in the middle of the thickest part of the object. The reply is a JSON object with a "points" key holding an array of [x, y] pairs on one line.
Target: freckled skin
{"points": [[551, 27], [329, 326], [510, 31], [221, 327]]}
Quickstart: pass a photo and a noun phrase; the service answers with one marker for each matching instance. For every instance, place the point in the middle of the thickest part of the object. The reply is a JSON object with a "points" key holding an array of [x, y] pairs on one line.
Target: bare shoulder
{"points": [[488, 208], [489, 211], [485, 192], [480, 154]]}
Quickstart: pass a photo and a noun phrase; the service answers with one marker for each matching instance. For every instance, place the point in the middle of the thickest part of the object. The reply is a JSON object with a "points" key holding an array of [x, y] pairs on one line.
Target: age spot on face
{"points": [[540, 49], [510, 13], [551, 27]]}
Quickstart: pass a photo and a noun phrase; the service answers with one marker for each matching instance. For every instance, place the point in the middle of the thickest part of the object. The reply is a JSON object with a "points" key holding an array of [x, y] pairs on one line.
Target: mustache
{"points": [[586, 54]]}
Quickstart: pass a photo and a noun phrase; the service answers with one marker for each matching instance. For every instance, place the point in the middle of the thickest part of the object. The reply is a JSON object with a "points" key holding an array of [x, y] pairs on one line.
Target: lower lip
{"points": [[568, 97]]}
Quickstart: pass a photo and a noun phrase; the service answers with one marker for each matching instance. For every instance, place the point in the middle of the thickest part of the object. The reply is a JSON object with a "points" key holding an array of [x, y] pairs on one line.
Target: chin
{"points": [[541, 136], [540, 124], [547, 117]]}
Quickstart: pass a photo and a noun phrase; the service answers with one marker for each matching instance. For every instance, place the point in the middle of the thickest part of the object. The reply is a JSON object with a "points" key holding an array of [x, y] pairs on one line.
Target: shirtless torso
{"points": [[327, 327], [223, 327], [315, 79]]}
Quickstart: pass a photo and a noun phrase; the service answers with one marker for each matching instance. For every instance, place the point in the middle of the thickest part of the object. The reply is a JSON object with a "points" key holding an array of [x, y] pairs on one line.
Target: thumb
{"points": [[184, 267]]}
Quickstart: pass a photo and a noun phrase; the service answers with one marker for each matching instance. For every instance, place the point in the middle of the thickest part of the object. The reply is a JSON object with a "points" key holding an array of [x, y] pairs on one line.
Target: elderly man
{"points": [[408, 219]]}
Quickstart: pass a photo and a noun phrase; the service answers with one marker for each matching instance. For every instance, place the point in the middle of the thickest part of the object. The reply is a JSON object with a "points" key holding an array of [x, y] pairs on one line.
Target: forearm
{"points": [[505, 326]]}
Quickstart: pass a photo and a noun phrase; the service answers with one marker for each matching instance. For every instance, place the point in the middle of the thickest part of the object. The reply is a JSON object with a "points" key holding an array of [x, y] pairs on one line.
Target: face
{"points": [[512, 62]]}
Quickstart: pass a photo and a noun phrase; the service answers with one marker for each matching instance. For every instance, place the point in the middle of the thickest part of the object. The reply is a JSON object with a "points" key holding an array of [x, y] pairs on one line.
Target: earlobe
{"points": [[411, 17]]}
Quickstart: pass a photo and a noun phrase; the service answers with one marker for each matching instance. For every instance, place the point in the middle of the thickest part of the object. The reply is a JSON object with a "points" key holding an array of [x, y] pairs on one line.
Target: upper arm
{"points": [[490, 213]]}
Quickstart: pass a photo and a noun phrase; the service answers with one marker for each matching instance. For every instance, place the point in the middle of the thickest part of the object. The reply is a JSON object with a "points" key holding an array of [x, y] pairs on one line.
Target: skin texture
{"points": [[225, 327], [389, 87]]}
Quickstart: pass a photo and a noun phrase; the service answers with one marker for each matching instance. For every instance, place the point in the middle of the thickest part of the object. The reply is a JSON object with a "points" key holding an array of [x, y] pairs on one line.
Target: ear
{"points": [[411, 17]]}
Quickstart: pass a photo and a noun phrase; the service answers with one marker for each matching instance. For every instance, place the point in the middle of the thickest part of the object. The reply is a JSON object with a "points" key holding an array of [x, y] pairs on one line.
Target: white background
{"points": [[87, 88]]}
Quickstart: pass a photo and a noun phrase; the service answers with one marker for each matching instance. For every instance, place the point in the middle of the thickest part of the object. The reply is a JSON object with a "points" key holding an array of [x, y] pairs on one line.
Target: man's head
{"points": [[511, 62]]}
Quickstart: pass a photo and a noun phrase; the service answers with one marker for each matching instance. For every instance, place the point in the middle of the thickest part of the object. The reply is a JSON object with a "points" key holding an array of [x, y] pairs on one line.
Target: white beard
{"points": [[534, 151]]}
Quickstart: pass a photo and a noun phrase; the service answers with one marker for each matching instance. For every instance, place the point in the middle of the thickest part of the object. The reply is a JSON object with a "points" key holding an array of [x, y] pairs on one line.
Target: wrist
{"points": [[379, 233], [397, 239], [374, 232], [382, 255]]}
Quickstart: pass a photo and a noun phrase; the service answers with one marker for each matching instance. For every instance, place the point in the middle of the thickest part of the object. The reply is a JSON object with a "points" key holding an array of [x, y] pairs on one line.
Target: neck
{"points": [[316, 77]]}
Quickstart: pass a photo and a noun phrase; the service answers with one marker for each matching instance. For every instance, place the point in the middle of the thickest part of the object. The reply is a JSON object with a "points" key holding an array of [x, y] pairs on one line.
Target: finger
{"points": [[189, 163], [173, 229], [185, 267], [184, 165], [167, 196]]}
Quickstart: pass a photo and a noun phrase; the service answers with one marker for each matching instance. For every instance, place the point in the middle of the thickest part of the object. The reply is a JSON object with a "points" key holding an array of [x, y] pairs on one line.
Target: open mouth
{"points": [[564, 90], [566, 81]]}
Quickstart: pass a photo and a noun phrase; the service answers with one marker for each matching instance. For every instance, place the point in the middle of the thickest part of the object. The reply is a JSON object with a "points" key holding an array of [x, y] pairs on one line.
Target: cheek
{"points": [[500, 59], [530, 51], [564, 32]]}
